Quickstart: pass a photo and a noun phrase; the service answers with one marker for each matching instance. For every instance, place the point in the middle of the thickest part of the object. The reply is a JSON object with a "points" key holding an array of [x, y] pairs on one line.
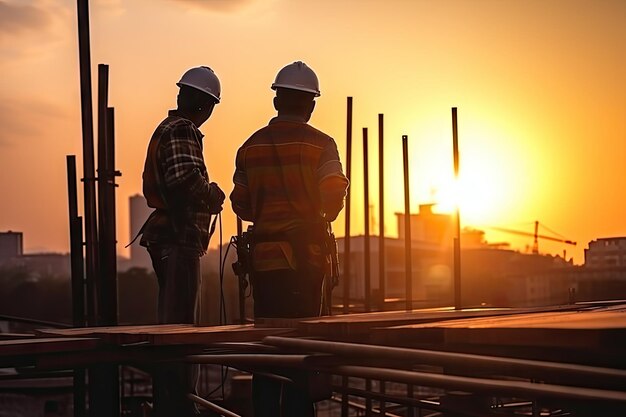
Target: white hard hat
{"points": [[297, 76], [203, 79]]}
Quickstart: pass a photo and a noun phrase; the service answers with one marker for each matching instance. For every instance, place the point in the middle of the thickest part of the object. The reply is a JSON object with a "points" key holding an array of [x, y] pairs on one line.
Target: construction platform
{"points": [[566, 361]]}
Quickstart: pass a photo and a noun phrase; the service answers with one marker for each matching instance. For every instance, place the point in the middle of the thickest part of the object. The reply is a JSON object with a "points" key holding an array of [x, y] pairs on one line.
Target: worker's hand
{"points": [[216, 198]]}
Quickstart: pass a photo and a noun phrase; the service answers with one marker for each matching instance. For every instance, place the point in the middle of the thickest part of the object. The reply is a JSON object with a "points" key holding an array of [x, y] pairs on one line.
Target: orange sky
{"points": [[539, 86]]}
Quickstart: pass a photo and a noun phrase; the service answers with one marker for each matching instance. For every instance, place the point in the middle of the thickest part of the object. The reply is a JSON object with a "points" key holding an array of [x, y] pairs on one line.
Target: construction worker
{"points": [[176, 235], [289, 183]]}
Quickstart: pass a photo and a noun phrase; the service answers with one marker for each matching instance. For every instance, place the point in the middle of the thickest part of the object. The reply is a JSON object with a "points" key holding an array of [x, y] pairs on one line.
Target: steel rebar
{"points": [[408, 261], [457, 238], [346, 239], [381, 211], [90, 217], [366, 221]]}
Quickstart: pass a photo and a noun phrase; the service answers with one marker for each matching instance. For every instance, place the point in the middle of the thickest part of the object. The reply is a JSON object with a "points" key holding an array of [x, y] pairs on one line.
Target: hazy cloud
{"points": [[216, 5], [112, 6], [16, 19], [24, 119]]}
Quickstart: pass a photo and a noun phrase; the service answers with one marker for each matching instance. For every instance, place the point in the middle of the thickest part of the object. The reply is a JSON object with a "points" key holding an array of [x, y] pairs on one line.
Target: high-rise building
{"points": [[11, 245], [139, 212]]}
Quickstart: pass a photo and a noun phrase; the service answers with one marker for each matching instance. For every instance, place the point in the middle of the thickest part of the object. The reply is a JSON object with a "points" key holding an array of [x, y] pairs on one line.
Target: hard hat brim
{"points": [[291, 87], [181, 83]]}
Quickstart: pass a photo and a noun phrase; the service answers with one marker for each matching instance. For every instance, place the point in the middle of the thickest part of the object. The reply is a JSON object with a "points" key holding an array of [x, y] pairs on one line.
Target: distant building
{"points": [[42, 264], [606, 252], [438, 229], [11, 245], [139, 212], [490, 274]]}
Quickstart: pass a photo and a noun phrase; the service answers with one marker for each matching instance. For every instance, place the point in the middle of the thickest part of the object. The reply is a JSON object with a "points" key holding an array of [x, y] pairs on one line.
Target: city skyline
{"points": [[539, 88]]}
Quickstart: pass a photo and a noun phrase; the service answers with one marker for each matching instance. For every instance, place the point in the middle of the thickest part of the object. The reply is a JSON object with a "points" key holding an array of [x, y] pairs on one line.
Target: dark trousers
{"points": [[288, 294], [178, 274]]}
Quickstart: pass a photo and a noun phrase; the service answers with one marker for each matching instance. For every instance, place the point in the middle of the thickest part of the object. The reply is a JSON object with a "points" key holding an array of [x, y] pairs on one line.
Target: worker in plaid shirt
{"points": [[176, 184]]}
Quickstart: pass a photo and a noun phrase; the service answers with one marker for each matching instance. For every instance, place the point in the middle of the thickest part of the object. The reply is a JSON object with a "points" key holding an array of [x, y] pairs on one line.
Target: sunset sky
{"points": [[540, 88]]}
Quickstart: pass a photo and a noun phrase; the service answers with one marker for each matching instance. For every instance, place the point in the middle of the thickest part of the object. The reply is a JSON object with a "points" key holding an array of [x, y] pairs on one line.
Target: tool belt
{"points": [[303, 248]]}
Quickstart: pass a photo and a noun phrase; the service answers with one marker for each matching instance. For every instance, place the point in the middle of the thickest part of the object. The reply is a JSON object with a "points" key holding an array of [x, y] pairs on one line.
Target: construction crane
{"points": [[536, 236]]}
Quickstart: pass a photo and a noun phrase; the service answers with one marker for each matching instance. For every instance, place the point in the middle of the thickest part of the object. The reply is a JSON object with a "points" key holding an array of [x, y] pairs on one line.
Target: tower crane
{"points": [[536, 236]]}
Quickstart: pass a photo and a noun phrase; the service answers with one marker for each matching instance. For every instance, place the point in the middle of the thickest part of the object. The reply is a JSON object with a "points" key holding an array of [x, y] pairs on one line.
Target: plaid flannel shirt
{"points": [[176, 184]]}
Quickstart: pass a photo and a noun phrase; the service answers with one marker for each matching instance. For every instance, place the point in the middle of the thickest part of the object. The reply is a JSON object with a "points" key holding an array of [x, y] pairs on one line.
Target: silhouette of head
{"points": [[196, 104], [294, 103]]}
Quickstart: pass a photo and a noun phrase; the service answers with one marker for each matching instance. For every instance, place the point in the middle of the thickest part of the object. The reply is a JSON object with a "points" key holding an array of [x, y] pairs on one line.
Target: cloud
{"points": [[115, 7], [223, 6], [16, 19], [23, 119]]}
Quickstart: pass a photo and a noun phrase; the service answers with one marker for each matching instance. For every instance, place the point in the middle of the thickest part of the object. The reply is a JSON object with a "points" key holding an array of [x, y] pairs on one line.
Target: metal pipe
{"points": [[360, 407], [492, 386], [104, 388], [211, 406], [457, 239], [241, 276], [368, 400], [249, 359], [111, 241], [345, 399], [106, 273], [525, 367], [78, 279], [346, 241], [366, 221], [91, 228], [53, 324], [381, 213], [408, 260], [408, 402], [76, 246]]}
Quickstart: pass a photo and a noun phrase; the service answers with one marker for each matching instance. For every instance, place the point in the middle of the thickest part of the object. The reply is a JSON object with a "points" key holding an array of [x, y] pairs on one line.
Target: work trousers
{"points": [[178, 273], [287, 294]]}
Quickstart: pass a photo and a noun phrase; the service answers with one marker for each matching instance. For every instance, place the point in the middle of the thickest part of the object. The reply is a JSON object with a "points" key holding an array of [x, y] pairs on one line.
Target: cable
{"points": [[552, 231], [222, 306]]}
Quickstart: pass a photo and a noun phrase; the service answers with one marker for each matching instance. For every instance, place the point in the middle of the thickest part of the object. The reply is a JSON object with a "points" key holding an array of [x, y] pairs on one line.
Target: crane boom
{"points": [[519, 232], [536, 236]]}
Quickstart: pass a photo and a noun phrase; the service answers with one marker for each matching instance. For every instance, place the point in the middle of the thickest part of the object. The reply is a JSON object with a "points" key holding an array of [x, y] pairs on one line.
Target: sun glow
{"points": [[491, 181]]}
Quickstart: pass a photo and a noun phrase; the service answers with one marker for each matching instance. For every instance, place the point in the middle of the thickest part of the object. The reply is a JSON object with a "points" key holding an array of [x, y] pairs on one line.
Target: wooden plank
{"points": [[24, 347], [171, 334], [349, 326], [566, 330]]}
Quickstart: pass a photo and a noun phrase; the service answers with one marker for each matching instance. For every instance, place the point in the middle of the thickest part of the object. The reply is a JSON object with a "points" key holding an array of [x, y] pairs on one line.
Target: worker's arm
{"points": [[332, 182], [184, 171], [240, 197]]}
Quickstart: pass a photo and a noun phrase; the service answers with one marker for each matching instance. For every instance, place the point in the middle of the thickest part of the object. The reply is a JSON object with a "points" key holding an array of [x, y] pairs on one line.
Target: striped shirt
{"points": [[176, 184], [287, 177]]}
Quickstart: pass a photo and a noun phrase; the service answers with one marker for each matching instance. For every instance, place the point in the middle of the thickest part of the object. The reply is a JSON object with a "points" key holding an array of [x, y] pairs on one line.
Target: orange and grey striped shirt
{"points": [[287, 175]]}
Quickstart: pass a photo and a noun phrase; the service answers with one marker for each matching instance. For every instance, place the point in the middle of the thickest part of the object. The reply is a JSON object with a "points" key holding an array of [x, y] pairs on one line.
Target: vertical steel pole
{"points": [[381, 215], [408, 260], [107, 288], [91, 230], [111, 172], [78, 278], [346, 241], [366, 215], [76, 246], [104, 378], [240, 276], [457, 238]]}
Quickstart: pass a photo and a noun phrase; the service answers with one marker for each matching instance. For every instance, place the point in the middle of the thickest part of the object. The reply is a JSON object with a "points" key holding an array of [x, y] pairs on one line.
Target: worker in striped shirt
{"points": [[289, 183]]}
